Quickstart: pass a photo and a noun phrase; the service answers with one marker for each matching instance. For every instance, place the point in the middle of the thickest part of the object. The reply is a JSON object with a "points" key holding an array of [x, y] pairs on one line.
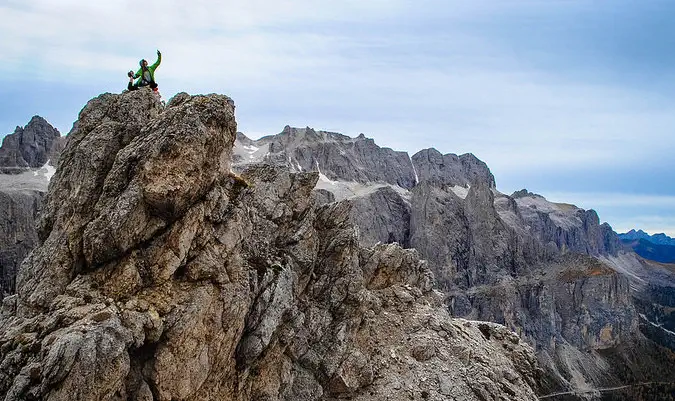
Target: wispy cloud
{"points": [[653, 213], [590, 199], [526, 85], [651, 224]]}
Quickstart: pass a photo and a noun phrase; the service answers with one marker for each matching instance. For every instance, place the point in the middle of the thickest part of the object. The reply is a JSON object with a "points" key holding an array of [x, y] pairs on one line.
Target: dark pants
{"points": [[133, 87]]}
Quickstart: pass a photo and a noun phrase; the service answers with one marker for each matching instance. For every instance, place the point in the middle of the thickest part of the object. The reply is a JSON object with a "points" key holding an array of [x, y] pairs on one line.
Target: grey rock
{"points": [[323, 196], [465, 240], [164, 276], [496, 257], [382, 216], [569, 228], [451, 169], [337, 156], [23, 183], [18, 212], [30, 147]]}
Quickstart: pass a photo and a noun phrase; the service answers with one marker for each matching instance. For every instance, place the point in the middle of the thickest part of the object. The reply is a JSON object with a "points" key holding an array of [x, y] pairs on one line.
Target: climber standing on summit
{"points": [[145, 75]]}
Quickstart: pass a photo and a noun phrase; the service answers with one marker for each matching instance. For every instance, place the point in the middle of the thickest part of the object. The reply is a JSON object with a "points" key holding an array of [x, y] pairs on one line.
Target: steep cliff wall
{"points": [[543, 269], [163, 276], [27, 160]]}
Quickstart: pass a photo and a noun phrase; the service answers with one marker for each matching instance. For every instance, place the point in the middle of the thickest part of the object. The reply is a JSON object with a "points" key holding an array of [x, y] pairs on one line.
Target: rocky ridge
{"points": [[161, 275], [549, 271], [27, 160], [660, 238], [32, 146]]}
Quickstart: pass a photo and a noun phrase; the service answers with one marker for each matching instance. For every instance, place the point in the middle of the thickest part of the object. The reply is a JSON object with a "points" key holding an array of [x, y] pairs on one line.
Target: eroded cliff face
{"points": [[30, 147], [27, 160], [18, 212], [546, 270], [163, 276]]}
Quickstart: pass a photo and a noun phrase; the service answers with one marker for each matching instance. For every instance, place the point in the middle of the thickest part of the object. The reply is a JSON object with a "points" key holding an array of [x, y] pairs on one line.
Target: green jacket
{"points": [[151, 69]]}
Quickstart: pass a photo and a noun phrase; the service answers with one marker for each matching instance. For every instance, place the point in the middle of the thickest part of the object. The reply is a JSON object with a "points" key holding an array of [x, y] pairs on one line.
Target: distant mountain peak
{"points": [[359, 159], [32, 146], [659, 238], [524, 193]]}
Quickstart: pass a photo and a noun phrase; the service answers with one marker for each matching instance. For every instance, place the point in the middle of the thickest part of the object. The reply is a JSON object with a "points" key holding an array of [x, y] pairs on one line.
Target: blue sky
{"points": [[571, 99]]}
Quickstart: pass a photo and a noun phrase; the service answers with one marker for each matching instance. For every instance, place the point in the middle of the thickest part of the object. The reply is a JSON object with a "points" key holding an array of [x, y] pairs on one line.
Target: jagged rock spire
{"points": [[31, 146]]}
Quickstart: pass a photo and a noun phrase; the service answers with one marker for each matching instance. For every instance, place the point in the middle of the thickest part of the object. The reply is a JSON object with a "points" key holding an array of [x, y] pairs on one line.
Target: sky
{"points": [[571, 99]]}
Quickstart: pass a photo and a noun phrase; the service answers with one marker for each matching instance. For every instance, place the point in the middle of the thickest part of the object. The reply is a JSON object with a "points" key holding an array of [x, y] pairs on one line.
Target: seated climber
{"points": [[145, 75]]}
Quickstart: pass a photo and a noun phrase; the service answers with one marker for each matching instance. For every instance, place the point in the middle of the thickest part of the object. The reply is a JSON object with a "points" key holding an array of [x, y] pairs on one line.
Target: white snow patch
{"points": [[46, 171], [460, 191], [51, 170], [660, 326], [250, 153], [322, 177], [417, 179], [325, 179]]}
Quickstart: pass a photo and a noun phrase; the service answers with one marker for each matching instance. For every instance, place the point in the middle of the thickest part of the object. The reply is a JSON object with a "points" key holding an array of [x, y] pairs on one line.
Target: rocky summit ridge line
{"points": [[550, 271], [163, 276], [32, 146]]}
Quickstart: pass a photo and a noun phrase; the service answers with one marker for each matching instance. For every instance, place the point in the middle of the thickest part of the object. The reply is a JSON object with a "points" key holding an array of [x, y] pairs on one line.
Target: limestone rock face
{"points": [[18, 211], [164, 276], [31, 146], [563, 225], [547, 270], [382, 216], [463, 237], [338, 156], [27, 159], [450, 169]]}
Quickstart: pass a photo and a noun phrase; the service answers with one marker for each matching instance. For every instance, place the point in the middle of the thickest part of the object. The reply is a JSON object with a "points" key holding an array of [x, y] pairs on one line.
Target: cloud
{"points": [[600, 199], [653, 213], [447, 74], [650, 224]]}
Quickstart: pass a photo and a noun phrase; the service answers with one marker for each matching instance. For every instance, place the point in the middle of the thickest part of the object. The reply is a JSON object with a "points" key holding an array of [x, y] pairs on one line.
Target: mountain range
{"points": [[188, 261], [659, 239], [657, 247]]}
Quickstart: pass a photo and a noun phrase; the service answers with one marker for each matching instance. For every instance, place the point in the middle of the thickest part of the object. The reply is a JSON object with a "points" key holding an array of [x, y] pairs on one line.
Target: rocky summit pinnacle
{"points": [[27, 160], [30, 147], [164, 276]]}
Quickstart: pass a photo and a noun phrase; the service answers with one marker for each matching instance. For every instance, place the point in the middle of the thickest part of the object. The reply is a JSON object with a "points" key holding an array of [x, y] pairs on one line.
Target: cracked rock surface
{"points": [[161, 275]]}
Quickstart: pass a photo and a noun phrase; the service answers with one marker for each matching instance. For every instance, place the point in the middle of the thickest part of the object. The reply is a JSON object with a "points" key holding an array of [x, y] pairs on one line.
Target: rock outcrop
{"points": [[543, 269], [450, 169], [340, 157], [383, 217], [30, 147], [163, 276], [565, 226], [27, 159], [18, 211]]}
